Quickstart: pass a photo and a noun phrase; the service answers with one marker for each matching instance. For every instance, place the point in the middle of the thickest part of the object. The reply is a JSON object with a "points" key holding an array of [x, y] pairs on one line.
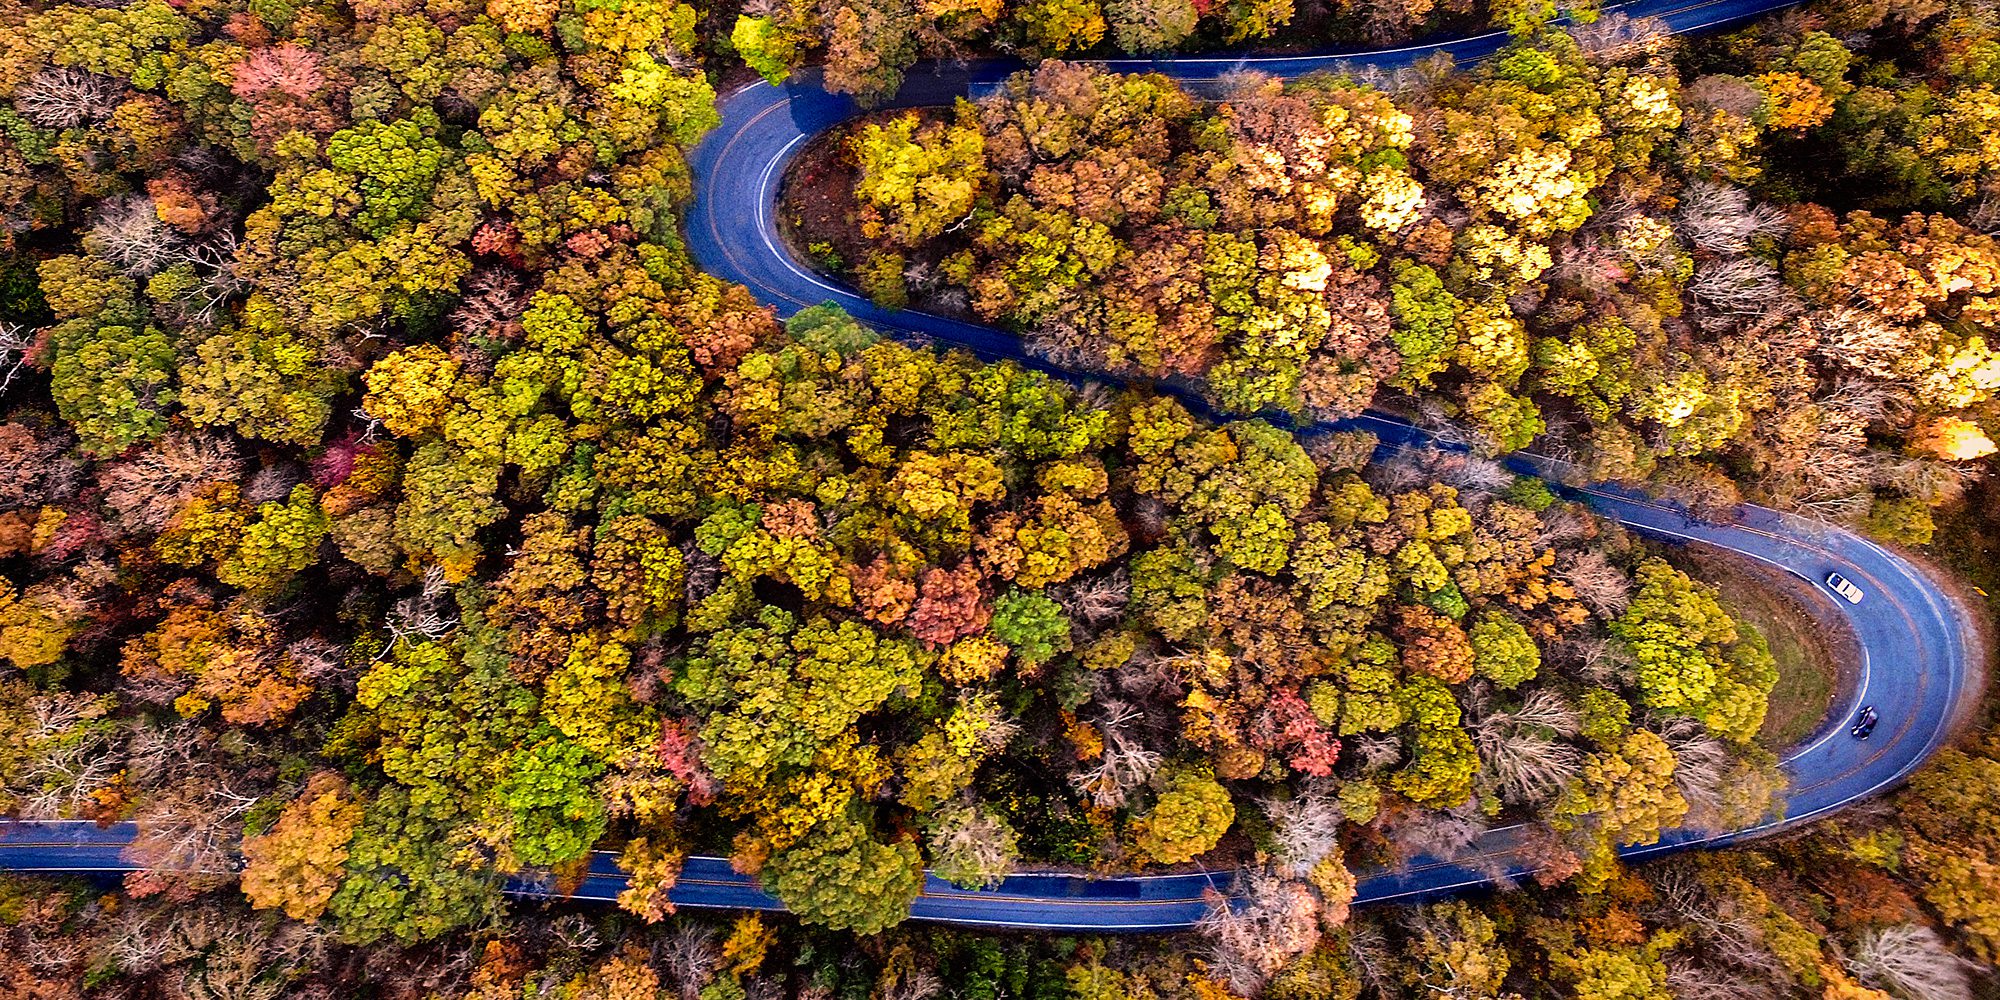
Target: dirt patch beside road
{"points": [[816, 209]]}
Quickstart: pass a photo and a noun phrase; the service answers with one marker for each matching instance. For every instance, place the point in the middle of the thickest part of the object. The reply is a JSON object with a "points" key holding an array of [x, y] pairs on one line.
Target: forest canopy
{"points": [[390, 509], [1580, 241]]}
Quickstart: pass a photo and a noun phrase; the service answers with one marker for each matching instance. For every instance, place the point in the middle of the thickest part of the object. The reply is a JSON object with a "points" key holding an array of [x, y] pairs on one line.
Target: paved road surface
{"points": [[1915, 671]]}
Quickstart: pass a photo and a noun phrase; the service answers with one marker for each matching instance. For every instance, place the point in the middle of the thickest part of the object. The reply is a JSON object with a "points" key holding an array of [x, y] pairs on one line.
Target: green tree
{"points": [[1054, 27], [1426, 327], [1032, 625], [765, 46], [1443, 761], [916, 178], [549, 790], [1146, 26], [1692, 659], [268, 384], [392, 165], [282, 539], [410, 877], [777, 690], [840, 876], [110, 370], [1502, 650], [1187, 820], [1627, 792]]}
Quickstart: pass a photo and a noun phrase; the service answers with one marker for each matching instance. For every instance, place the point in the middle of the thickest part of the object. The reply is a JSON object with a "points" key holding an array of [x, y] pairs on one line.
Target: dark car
{"points": [[1864, 723]]}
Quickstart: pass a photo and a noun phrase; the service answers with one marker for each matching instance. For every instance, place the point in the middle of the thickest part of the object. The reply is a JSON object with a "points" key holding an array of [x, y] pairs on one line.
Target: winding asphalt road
{"points": [[1916, 660]]}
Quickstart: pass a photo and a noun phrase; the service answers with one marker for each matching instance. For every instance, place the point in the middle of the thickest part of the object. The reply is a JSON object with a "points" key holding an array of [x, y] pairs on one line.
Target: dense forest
{"points": [[1586, 242], [389, 507]]}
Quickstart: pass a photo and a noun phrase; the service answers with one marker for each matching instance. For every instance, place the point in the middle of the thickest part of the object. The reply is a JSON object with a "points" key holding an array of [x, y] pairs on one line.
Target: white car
{"points": [[1844, 587]]}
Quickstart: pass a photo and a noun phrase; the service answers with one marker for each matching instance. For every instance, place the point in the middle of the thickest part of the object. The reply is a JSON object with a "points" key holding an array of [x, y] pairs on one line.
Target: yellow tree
{"points": [[298, 864]]}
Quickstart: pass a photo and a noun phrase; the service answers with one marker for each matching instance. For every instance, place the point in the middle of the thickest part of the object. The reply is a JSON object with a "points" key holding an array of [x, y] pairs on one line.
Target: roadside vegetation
{"points": [[1810, 650]]}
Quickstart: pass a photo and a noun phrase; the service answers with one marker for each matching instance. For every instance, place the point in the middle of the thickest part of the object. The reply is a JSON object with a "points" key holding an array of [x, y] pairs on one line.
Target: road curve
{"points": [[1916, 658], [1916, 671]]}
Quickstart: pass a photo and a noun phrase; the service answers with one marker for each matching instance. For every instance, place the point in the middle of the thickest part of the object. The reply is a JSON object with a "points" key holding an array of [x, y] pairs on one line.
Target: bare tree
{"points": [[1861, 339], [191, 830], [1719, 218], [971, 846], [137, 943], [15, 342], [68, 759], [1731, 936], [1582, 653], [421, 617], [1065, 346], [1563, 525], [1097, 395], [1985, 216], [1341, 450], [916, 984], [1693, 977], [1378, 752], [146, 490], [1148, 675], [1525, 767], [1616, 37], [1546, 708], [1599, 584], [323, 664], [1718, 92], [273, 480], [1400, 473], [1862, 402], [237, 970], [1910, 961], [761, 987], [1438, 833], [575, 932], [1374, 959], [221, 280], [688, 957], [1306, 828], [1833, 485], [52, 952], [1125, 764], [64, 97], [58, 782], [492, 307], [1468, 471], [221, 955], [1263, 923], [1926, 479], [1702, 768], [1519, 752], [159, 755], [1095, 600], [129, 233], [1729, 287]]}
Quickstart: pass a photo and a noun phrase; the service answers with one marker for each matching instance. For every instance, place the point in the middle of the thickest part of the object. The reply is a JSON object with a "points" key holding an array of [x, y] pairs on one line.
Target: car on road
{"points": [[1844, 587], [1864, 723]]}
